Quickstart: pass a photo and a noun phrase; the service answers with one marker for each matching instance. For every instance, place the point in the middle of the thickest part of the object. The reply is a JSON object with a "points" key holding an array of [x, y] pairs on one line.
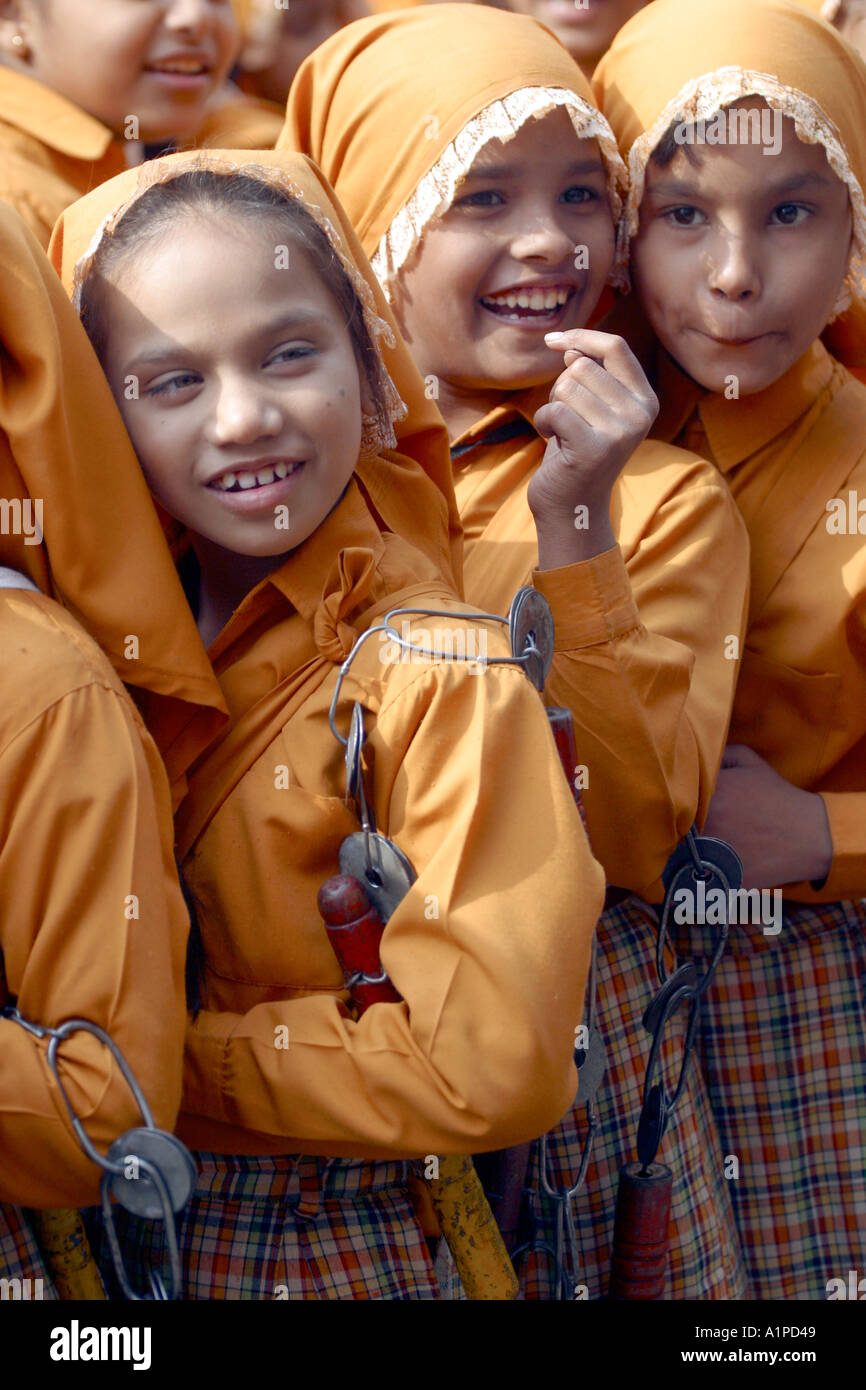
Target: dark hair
{"points": [[207, 193], [667, 147]]}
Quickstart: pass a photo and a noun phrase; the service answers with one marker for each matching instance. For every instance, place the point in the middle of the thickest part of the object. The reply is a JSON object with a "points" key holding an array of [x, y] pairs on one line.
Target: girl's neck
{"points": [[461, 409], [225, 580]]}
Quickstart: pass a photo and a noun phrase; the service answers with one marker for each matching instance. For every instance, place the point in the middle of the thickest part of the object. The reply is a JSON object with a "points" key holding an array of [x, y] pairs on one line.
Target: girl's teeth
{"points": [[539, 301], [228, 480], [267, 475], [247, 480], [281, 470]]}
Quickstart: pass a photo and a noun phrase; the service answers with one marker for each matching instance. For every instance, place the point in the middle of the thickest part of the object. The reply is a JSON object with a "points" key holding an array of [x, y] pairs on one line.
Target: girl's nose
{"points": [[194, 16], [541, 238], [243, 415], [733, 270]]}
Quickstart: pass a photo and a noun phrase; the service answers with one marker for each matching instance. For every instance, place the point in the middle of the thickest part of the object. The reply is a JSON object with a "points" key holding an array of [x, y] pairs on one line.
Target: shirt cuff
{"points": [[846, 813], [591, 601], [204, 1066]]}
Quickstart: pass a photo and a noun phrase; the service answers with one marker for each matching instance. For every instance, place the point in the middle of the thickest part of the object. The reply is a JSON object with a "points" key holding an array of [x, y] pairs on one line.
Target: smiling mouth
{"points": [[180, 67], [540, 303], [244, 480]]}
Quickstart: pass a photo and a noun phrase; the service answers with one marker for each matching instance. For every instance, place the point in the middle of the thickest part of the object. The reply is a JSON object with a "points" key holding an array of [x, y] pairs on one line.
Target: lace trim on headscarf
{"points": [[704, 97], [500, 121], [377, 437]]}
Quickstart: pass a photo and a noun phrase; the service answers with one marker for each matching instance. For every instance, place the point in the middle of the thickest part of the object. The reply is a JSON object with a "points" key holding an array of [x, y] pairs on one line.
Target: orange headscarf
{"points": [[408, 484], [395, 108], [103, 556], [677, 60]]}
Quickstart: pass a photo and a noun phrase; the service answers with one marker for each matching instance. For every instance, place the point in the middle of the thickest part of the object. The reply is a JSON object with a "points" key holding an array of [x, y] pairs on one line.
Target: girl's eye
{"points": [[789, 214], [484, 198], [180, 381], [684, 216], [291, 354], [579, 194]]}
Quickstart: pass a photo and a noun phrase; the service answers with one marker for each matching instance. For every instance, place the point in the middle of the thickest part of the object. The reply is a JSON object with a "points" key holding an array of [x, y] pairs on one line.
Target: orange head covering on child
{"points": [[396, 108], [66, 460], [407, 475], [678, 61]]}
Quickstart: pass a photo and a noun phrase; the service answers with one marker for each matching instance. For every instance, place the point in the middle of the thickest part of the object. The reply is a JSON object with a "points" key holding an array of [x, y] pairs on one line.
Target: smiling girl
{"points": [[485, 186], [740, 258], [262, 419], [82, 84]]}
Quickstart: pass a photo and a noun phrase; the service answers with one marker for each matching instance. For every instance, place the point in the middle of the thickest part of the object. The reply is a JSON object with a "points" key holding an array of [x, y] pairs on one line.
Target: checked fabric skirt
{"points": [[706, 1261], [783, 1049], [20, 1257], [290, 1228]]}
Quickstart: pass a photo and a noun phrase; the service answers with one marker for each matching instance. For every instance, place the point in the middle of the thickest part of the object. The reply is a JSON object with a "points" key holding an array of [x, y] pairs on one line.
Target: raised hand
{"points": [[601, 407]]}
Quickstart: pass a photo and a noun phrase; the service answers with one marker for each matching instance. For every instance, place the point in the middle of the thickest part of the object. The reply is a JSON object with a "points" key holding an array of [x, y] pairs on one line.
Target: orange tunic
{"points": [[50, 151], [643, 651], [786, 454], [93, 922], [490, 947]]}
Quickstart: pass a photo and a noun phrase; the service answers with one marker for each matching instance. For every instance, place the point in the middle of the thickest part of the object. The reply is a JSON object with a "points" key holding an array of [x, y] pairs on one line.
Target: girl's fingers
{"points": [[610, 351], [586, 373]]}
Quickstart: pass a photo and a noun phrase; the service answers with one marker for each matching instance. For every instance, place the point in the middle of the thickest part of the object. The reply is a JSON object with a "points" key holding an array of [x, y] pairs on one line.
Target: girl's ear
{"points": [[14, 33]]}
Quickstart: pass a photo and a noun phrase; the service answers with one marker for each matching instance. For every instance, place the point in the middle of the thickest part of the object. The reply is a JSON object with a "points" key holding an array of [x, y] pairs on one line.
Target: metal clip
{"points": [[148, 1171]]}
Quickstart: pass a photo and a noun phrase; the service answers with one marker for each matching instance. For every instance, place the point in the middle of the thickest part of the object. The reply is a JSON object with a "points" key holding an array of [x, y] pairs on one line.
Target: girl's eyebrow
{"points": [[672, 188], [797, 181], [582, 168], [290, 320]]}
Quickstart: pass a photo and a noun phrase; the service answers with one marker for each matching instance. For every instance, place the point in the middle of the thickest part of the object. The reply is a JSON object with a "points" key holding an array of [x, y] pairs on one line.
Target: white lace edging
{"points": [[500, 121], [704, 97], [378, 329]]}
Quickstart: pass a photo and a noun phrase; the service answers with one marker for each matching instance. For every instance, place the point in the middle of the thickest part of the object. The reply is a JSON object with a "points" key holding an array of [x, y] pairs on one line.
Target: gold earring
{"points": [[20, 44]]}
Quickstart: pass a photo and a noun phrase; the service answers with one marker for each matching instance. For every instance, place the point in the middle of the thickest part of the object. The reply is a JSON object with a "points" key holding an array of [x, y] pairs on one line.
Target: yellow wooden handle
{"points": [[63, 1241], [470, 1228]]}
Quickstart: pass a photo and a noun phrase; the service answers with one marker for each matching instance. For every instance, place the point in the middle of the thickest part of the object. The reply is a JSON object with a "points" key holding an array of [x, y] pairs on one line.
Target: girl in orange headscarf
{"points": [[483, 181], [263, 423], [93, 923], [84, 86], [744, 123]]}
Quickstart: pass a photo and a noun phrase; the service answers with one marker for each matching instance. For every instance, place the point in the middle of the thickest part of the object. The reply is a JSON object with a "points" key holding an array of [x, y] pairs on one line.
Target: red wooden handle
{"points": [[562, 728], [355, 930], [641, 1232]]}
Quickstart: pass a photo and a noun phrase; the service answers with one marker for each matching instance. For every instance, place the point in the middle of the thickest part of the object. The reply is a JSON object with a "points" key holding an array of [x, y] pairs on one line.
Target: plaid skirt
{"points": [[21, 1259], [288, 1228], [783, 1046], [705, 1260]]}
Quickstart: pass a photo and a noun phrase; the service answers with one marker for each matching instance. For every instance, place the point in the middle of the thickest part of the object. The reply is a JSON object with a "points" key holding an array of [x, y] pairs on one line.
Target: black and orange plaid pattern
{"points": [[289, 1228], [705, 1257], [783, 1046], [20, 1257]]}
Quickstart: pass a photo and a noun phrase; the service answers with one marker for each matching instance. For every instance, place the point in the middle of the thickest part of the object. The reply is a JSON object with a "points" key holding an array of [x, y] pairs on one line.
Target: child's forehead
{"points": [[551, 138], [760, 141]]}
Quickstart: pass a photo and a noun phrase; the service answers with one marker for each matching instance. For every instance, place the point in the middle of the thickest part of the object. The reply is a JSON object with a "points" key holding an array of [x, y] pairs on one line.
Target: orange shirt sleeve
{"points": [[489, 949], [92, 924], [648, 636]]}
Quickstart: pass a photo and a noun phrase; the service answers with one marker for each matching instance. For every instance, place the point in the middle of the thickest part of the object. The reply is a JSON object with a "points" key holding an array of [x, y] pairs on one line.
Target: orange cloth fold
{"points": [[93, 923], [50, 151], [480, 1051]]}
